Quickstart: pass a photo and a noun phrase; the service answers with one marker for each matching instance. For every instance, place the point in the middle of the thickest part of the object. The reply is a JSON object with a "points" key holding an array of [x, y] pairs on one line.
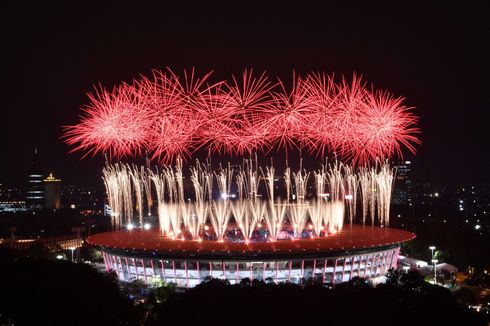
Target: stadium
{"points": [[183, 223], [366, 252]]}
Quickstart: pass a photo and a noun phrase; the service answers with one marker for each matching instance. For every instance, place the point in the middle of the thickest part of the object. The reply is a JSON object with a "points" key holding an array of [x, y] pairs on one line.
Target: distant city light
{"points": [[146, 226], [130, 226]]}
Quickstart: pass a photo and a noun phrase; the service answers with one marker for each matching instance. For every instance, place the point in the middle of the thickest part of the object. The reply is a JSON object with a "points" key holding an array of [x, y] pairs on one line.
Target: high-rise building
{"points": [[35, 187], [402, 192], [52, 189]]}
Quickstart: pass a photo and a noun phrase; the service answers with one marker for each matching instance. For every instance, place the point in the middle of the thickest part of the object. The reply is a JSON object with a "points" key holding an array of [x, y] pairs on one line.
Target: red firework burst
{"points": [[115, 122], [172, 117]]}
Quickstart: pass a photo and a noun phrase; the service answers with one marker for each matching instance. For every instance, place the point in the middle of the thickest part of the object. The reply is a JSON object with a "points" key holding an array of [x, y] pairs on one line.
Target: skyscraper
{"points": [[402, 192], [52, 188], [35, 187]]}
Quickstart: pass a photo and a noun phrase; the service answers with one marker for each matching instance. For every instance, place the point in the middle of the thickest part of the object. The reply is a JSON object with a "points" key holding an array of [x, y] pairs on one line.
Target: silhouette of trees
{"points": [[43, 292], [405, 300]]}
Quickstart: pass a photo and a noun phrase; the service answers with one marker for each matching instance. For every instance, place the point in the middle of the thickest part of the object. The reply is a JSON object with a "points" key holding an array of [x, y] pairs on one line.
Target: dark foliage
{"points": [[42, 292], [409, 301]]}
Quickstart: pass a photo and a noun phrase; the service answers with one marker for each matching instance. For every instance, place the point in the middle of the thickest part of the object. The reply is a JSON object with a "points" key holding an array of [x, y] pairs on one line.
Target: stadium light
{"points": [[434, 261]]}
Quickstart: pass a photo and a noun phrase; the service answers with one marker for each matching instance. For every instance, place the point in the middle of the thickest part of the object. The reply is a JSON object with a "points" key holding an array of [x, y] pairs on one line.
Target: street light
{"points": [[434, 261], [72, 250]]}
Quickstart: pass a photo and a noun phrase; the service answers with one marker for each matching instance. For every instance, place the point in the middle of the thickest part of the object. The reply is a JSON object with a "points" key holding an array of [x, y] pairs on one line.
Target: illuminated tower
{"points": [[35, 187], [52, 189]]}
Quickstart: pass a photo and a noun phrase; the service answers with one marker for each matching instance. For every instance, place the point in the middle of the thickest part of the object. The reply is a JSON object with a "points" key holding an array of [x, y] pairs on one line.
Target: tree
{"points": [[393, 276], [42, 292], [161, 294], [412, 280]]}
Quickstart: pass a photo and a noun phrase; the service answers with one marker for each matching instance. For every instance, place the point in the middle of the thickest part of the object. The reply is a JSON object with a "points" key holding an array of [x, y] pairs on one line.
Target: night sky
{"points": [[437, 56]]}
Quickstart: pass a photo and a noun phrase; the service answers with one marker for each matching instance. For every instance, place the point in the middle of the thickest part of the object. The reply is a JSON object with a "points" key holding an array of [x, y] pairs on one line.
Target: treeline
{"points": [[38, 291]]}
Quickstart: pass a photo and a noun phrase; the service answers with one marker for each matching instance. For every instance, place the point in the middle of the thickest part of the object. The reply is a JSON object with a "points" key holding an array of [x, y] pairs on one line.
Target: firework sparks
{"points": [[170, 117], [127, 186]]}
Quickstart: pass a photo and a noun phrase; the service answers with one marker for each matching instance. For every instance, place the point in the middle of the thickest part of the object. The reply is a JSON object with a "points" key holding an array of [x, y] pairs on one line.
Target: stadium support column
{"points": [[383, 264], [198, 273], [375, 265], [378, 264], [152, 268], [127, 267], [302, 269], [277, 273], [144, 270], [135, 268], [175, 273], [351, 270], [119, 264], [343, 269], [251, 274], [111, 263], [324, 271], [122, 268], [366, 268], [237, 271], [105, 262], [394, 262], [334, 271], [390, 259], [313, 272], [163, 271], [263, 271], [373, 257], [186, 274], [359, 266], [224, 270], [111, 260]]}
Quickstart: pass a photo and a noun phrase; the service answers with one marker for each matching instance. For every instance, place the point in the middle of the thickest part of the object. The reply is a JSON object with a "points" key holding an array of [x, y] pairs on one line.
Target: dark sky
{"points": [[436, 55]]}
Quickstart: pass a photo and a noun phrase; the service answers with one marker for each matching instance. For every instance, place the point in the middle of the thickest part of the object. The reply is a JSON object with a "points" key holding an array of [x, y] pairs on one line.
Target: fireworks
{"points": [[338, 186], [171, 117]]}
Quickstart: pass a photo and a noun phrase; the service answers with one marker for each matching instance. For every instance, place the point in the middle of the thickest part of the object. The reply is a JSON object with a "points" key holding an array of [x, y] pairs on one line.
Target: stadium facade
{"points": [[145, 255]]}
